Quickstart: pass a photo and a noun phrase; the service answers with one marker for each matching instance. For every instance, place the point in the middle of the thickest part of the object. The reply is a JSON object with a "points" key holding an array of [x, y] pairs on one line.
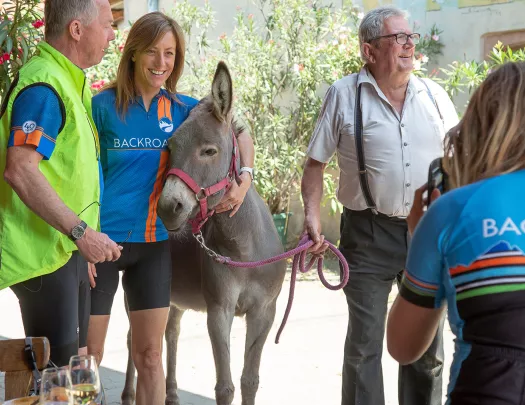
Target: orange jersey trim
{"points": [[485, 263], [151, 221]]}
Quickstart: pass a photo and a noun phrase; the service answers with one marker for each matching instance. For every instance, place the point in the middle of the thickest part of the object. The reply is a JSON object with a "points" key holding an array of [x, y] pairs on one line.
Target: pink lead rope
{"points": [[299, 257]]}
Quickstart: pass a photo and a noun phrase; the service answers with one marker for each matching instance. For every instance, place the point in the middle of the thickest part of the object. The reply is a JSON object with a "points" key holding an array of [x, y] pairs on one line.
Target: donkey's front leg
{"points": [[258, 324], [220, 320], [172, 338]]}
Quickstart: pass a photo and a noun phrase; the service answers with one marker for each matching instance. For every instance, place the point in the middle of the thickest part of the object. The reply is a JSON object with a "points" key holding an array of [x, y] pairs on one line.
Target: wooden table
{"points": [[22, 401]]}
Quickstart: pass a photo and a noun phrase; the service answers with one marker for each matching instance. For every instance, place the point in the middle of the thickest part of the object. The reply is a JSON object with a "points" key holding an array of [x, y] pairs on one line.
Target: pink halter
{"points": [[202, 194]]}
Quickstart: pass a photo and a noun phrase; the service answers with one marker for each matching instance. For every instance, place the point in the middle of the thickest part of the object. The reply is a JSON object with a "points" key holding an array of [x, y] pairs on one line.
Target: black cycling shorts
{"points": [[146, 279], [491, 376], [57, 306]]}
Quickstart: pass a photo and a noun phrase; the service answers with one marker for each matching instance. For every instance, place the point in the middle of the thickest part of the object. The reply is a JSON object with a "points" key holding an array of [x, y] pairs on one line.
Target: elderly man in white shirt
{"points": [[386, 126]]}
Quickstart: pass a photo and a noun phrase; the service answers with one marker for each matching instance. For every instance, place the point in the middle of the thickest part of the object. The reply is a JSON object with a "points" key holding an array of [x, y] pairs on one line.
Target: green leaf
{"points": [[25, 50], [3, 35], [9, 45]]}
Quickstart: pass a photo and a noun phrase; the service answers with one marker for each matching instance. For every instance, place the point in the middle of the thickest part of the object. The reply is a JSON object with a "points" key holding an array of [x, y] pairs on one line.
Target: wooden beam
{"points": [[118, 15], [13, 356], [116, 4]]}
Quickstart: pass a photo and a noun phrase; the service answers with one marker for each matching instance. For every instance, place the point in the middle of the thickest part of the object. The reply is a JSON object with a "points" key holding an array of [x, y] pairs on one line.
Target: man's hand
{"points": [[312, 226], [234, 198], [92, 273], [96, 247], [417, 210]]}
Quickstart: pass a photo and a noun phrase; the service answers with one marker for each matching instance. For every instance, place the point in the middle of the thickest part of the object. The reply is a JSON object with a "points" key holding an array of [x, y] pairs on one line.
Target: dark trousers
{"points": [[375, 247]]}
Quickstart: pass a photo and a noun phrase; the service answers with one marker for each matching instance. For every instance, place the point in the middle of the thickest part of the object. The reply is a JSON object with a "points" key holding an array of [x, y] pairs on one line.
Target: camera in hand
{"points": [[437, 178]]}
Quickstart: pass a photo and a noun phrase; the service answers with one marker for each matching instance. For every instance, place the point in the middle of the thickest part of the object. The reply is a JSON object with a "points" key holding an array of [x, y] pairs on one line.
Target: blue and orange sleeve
{"points": [[422, 282], [36, 119]]}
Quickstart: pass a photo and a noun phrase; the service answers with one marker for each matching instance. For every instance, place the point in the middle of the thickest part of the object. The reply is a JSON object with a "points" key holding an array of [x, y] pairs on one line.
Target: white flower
{"points": [[360, 15], [424, 59]]}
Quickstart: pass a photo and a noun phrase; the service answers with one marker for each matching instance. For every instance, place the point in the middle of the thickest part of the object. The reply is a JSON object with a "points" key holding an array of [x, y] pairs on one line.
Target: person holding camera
{"points": [[468, 249], [386, 126]]}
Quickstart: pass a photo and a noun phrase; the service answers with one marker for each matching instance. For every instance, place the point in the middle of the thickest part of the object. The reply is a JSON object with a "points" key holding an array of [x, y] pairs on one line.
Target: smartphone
{"points": [[437, 178]]}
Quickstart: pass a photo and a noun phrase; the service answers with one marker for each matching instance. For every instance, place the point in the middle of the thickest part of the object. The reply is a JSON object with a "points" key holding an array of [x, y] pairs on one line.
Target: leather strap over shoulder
{"points": [[359, 148]]}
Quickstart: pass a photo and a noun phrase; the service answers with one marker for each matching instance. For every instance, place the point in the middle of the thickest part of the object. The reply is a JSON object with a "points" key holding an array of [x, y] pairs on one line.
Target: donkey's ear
{"points": [[222, 92]]}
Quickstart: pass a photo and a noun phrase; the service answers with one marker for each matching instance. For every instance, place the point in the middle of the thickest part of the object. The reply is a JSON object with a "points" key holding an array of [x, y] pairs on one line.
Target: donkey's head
{"points": [[202, 148]]}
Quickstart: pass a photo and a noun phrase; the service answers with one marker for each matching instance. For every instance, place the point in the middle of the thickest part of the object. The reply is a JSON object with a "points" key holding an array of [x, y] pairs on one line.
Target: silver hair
{"points": [[373, 22], [59, 14]]}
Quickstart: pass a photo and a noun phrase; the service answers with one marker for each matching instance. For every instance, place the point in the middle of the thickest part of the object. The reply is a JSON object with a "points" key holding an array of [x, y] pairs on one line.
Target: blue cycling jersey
{"points": [[468, 250], [135, 157]]}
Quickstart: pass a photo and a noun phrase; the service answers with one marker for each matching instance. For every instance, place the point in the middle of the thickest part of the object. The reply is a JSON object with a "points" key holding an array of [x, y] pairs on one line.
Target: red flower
{"points": [[98, 84], [38, 23], [5, 57]]}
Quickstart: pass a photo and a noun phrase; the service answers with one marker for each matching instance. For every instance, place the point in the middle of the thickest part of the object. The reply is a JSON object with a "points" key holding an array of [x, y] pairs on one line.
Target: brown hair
{"points": [[490, 138], [144, 33]]}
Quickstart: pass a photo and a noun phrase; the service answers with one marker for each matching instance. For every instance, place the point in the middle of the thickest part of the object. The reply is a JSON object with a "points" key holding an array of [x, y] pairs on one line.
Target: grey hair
{"points": [[373, 22], [59, 14]]}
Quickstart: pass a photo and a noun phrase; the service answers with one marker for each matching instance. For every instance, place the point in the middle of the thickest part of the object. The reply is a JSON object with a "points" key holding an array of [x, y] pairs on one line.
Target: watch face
{"points": [[77, 232]]}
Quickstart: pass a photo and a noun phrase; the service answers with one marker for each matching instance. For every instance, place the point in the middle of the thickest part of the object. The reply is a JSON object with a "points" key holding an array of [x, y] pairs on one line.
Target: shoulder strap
{"points": [[359, 149], [432, 98], [30, 357]]}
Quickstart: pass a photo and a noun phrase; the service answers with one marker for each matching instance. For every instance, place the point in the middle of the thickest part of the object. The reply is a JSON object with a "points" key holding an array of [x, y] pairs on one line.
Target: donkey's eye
{"points": [[209, 152]]}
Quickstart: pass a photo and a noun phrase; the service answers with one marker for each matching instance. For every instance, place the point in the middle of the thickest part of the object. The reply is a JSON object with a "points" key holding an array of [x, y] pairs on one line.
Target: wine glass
{"points": [[85, 379], [55, 387]]}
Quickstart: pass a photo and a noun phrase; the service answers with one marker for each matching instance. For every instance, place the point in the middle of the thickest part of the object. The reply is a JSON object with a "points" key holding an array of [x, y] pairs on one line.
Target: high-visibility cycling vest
{"points": [[29, 246]]}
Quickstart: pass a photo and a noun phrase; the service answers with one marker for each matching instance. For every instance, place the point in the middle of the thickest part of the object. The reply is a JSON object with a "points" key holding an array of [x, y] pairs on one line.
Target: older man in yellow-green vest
{"points": [[51, 185]]}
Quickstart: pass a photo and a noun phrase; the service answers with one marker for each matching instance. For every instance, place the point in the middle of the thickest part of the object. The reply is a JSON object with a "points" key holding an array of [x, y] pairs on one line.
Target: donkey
{"points": [[202, 147]]}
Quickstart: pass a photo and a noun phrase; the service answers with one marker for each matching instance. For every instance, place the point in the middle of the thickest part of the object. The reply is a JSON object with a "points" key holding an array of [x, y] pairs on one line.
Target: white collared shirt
{"points": [[398, 149]]}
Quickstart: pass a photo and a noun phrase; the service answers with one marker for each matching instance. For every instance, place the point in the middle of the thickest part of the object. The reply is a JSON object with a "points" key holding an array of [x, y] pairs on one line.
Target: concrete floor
{"points": [[304, 368]]}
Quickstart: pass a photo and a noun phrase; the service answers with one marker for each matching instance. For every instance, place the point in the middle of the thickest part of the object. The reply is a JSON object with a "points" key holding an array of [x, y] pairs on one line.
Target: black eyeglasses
{"points": [[401, 38]]}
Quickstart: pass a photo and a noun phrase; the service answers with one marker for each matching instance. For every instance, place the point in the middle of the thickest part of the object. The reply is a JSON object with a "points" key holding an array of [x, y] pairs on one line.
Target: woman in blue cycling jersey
{"points": [[468, 252], [135, 116]]}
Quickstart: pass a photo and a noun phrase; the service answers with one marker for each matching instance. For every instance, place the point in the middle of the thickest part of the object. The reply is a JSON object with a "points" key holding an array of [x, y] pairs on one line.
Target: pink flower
{"points": [[121, 48], [223, 36], [435, 37], [98, 84], [250, 16], [5, 57], [38, 23], [238, 8]]}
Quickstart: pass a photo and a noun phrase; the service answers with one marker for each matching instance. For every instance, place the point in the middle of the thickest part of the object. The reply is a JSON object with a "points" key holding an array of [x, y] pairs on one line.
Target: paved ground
{"points": [[304, 368]]}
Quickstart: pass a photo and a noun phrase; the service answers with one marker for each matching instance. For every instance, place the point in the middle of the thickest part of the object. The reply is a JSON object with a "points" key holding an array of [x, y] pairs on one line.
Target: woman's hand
{"points": [[418, 208], [92, 273], [234, 198]]}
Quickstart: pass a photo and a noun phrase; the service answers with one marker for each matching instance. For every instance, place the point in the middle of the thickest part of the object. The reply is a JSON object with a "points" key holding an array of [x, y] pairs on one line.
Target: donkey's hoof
{"points": [[172, 399]]}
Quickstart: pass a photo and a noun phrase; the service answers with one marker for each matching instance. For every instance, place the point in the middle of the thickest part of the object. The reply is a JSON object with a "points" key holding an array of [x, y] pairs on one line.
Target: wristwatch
{"points": [[248, 170], [78, 231]]}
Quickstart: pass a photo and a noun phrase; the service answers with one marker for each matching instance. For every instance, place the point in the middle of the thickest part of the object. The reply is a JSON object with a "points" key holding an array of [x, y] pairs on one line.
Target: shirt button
{"points": [[408, 184], [402, 125], [406, 144], [407, 164], [407, 204]]}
